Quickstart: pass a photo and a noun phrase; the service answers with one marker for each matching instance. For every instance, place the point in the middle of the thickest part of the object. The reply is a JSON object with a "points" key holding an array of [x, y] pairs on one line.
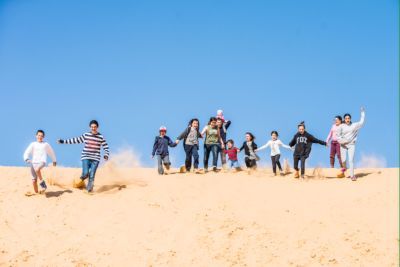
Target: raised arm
{"points": [[360, 123], [28, 152]]}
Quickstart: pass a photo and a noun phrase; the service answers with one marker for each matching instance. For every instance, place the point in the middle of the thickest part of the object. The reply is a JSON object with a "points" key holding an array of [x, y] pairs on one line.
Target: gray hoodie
{"points": [[347, 134]]}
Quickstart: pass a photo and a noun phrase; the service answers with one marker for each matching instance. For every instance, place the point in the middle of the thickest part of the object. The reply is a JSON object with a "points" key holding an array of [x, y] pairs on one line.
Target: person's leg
{"points": [[337, 150], [188, 160], [207, 150], [166, 162], [38, 170], [332, 154], [223, 158], [93, 164], [85, 169], [303, 166], [215, 150], [351, 151], [253, 164], [273, 164], [248, 162], [296, 165], [34, 179], [160, 167], [278, 163], [195, 155], [343, 155]]}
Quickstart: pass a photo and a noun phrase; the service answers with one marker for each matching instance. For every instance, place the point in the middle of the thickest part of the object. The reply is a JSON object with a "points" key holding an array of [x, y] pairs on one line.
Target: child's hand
{"points": [[177, 142], [105, 158], [152, 156], [60, 141]]}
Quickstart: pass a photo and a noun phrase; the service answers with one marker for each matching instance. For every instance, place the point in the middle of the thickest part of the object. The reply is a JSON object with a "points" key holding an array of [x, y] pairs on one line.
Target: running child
{"points": [[335, 146], [91, 153], [303, 142], [232, 153], [275, 143], [160, 150], [347, 137], [250, 148], [36, 156]]}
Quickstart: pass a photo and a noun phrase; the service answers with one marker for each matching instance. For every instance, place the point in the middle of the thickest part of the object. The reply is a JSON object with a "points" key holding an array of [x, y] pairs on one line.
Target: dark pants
{"points": [[213, 148], [223, 157], [335, 150], [275, 162], [191, 151], [298, 158], [250, 163]]}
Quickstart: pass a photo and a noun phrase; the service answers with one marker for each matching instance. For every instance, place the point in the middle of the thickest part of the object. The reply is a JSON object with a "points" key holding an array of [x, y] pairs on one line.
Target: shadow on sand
{"points": [[105, 188], [57, 193]]}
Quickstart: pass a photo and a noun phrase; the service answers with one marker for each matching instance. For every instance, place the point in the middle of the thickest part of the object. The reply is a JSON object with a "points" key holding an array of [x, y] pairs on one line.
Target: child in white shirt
{"points": [[39, 151], [274, 143]]}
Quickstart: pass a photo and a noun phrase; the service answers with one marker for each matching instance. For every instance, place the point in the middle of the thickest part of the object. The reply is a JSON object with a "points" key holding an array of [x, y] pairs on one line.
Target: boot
{"points": [[296, 175]]}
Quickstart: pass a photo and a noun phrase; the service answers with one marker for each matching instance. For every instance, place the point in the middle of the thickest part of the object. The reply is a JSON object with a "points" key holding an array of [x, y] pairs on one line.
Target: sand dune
{"points": [[137, 218]]}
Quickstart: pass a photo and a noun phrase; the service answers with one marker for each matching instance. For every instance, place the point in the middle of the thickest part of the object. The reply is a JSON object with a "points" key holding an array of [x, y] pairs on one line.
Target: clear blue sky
{"points": [[136, 65]]}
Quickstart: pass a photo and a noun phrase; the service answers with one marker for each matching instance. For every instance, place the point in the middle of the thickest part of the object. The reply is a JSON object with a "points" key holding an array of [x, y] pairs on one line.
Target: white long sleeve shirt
{"points": [[39, 152], [274, 144], [347, 134]]}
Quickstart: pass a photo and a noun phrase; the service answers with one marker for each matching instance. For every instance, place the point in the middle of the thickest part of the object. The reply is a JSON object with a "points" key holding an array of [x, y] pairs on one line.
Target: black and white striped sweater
{"points": [[93, 144]]}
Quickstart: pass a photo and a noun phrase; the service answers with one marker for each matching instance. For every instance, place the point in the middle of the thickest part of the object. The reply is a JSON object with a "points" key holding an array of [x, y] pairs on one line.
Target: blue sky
{"points": [[136, 65]]}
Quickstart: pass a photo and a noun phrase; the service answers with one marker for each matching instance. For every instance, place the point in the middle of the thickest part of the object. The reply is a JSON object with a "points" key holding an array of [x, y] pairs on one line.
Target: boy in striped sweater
{"points": [[93, 141]]}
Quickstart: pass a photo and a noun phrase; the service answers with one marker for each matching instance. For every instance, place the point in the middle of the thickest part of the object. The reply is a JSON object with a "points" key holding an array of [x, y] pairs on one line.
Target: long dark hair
{"points": [[193, 120], [211, 120], [251, 136]]}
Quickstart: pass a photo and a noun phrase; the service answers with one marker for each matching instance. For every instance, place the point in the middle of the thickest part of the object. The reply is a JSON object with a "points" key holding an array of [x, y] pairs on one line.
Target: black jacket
{"points": [[303, 144], [185, 134], [223, 129], [246, 148]]}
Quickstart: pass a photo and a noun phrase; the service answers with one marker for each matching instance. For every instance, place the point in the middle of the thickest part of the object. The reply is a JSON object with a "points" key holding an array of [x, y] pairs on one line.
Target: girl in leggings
{"points": [[275, 143], [302, 142]]}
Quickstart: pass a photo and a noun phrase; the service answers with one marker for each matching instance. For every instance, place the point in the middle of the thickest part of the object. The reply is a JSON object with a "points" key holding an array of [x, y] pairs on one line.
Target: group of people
{"points": [[342, 140]]}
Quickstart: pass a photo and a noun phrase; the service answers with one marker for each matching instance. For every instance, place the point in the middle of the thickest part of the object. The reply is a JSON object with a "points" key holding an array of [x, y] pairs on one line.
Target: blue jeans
{"points": [[213, 148], [191, 151], [234, 163], [162, 160], [89, 168]]}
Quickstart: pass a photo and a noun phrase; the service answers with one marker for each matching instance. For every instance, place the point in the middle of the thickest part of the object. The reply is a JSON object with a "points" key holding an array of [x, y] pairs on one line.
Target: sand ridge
{"points": [[138, 218]]}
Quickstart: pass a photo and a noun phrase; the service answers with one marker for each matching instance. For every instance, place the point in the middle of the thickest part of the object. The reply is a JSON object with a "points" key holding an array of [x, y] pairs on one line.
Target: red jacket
{"points": [[232, 153]]}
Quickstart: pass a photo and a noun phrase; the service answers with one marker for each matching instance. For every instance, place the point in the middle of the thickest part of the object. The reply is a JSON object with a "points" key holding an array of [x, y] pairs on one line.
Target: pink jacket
{"points": [[332, 133]]}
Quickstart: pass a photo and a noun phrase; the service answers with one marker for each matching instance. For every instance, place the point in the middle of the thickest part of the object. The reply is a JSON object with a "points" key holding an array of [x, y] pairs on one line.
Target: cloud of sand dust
{"points": [[125, 157], [371, 161]]}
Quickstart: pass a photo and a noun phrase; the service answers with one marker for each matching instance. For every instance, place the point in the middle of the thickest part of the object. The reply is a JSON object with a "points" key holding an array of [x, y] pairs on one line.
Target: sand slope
{"points": [[137, 218]]}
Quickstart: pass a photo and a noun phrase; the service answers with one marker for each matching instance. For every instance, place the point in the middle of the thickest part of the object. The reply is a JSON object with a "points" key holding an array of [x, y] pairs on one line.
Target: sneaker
{"points": [[197, 171], [215, 169], [282, 174], [302, 176], [90, 187], [296, 175], [43, 185], [167, 166], [182, 169], [354, 178]]}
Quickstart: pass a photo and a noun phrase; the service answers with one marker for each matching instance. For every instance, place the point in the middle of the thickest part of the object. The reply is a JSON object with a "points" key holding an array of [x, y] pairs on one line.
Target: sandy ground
{"points": [[137, 218]]}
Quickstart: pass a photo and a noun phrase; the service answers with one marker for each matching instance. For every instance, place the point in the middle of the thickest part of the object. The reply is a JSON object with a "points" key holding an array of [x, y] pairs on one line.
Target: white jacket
{"points": [[39, 152], [347, 134], [274, 144]]}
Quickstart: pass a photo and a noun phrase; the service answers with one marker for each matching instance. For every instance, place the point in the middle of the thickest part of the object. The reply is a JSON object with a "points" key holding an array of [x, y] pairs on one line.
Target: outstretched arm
{"points": [[75, 140], [171, 143], [264, 146], [293, 142], [317, 141], [283, 145]]}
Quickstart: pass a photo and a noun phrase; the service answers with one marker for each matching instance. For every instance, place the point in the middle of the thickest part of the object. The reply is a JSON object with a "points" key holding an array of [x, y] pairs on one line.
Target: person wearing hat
{"points": [[160, 150]]}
